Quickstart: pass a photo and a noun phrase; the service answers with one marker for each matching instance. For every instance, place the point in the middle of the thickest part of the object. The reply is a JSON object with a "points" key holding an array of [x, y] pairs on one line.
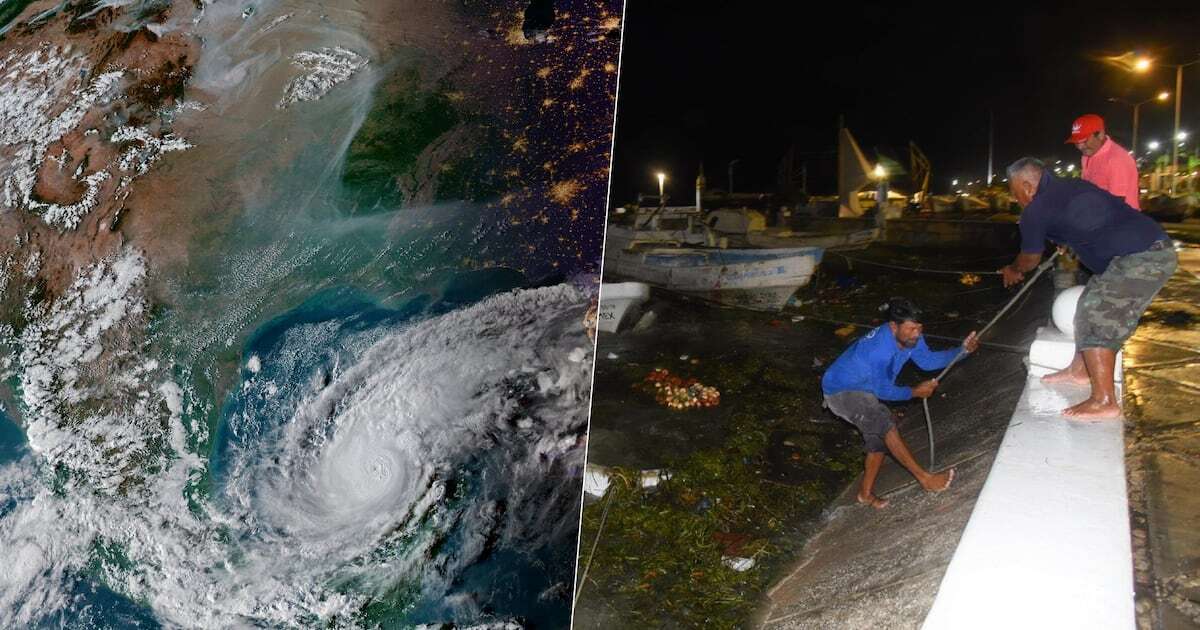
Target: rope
{"points": [[957, 272], [987, 344], [1025, 287], [592, 553]]}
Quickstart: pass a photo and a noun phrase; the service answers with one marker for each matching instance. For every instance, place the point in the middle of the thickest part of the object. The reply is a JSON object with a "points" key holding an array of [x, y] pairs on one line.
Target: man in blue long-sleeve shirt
{"points": [[866, 373]]}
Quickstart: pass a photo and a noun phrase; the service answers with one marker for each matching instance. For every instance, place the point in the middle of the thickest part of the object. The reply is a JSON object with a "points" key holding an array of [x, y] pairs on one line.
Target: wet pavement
{"points": [[1162, 378], [881, 568], [768, 366], [866, 569]]}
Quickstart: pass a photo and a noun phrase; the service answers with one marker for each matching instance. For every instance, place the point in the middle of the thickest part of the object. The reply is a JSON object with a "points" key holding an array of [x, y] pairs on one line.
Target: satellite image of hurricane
{"points": [[296, 308]]}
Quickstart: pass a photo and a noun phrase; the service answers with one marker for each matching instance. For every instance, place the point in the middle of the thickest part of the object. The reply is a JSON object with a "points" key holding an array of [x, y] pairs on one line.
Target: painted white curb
{"points": [[1048, 543]]}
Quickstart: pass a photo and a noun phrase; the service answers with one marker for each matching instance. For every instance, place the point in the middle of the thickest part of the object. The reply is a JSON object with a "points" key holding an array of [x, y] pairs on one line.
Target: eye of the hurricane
{"points": [[366, 474], [362, 476], [361, 459], [379, 469]]}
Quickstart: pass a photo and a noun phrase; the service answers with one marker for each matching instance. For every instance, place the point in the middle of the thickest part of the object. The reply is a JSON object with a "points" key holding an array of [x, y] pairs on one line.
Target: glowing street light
{"points": [[662, 177], [880, 172], [954, 182], [1142, 65], [1153, 145], [1181, 136], [1163, 95]]}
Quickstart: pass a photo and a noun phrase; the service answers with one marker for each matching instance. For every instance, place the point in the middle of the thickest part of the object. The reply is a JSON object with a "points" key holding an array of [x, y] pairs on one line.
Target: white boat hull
{"points": [[825, 240], [618, 300], [747, 278]]}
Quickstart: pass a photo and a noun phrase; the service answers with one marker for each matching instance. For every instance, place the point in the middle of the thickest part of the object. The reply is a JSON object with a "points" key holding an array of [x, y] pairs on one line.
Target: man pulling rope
{"points": [[866, 373], [1130, 255]]}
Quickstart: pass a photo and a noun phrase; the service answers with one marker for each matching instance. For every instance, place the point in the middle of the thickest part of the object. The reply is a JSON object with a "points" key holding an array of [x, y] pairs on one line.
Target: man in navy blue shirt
{"points": [[866, 373], [1128, 253]]}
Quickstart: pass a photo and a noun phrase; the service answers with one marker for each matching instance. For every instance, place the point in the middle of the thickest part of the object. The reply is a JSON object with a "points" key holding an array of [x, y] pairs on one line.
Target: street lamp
{"points": [[881, 191], [1141, 65], [1178, 100], [731, 165], [662, 177], [1162, 96], [1153, 145], [1179, 105]]}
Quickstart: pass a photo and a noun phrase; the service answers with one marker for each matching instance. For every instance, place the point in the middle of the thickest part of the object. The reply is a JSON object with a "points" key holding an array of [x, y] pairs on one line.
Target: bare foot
{"points": [[939, 482], [1066, 376], [873, 501], [1093, 410]]}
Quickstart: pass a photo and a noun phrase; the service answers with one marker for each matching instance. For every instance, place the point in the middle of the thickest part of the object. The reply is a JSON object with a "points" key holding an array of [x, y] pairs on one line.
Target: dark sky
{"points": [[723, 80]]}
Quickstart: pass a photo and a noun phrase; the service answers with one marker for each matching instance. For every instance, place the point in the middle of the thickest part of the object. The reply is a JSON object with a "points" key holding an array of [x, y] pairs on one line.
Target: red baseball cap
{"points": [[1085, 126]]}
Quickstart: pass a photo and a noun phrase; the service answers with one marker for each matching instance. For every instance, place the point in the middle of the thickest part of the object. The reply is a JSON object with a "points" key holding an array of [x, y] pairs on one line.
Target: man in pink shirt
{"points": [[1105, 163]]}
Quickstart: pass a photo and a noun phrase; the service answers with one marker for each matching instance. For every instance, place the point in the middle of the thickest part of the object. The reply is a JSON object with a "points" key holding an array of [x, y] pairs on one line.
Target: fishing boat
{"points": [[748, 228], [756, 279], [829, 241], [619, 300]]}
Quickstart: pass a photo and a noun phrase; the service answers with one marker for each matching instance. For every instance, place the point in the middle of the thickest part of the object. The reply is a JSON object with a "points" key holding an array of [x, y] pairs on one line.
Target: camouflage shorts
{"points": [[1113, 302]]}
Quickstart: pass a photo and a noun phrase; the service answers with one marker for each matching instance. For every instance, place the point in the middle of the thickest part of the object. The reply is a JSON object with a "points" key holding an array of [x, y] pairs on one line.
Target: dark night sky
{"points": [[723, 80]]}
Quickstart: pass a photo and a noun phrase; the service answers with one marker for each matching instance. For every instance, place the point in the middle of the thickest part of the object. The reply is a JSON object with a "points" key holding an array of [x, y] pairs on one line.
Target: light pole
{"points": [[1143, 65], [731, 163], [662, 177], [1175, 132], [880, 174], [1162, 96]]}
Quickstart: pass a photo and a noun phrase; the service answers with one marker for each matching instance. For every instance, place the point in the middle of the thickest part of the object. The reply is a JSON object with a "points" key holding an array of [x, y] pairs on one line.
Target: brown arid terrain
{"points": [[87, 110]]}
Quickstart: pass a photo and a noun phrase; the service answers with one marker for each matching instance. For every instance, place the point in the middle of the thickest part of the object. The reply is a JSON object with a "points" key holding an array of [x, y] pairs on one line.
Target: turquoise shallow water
{"points": [[12, 440]]}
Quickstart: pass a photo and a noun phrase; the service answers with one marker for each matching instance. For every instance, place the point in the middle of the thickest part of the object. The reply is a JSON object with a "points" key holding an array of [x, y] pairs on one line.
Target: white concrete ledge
{"points": [[1052, 351], [1048, 544]]}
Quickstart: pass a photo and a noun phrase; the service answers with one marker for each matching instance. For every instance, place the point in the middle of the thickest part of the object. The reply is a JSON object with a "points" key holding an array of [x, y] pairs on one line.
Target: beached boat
{"points": [[757, 279], [748, 228], [619, 300], [829, 241]]}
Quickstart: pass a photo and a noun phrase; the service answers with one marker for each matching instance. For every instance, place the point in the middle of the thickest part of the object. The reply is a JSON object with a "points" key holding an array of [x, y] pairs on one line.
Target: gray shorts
{"points": [[1113, 302], [864, 411]]}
